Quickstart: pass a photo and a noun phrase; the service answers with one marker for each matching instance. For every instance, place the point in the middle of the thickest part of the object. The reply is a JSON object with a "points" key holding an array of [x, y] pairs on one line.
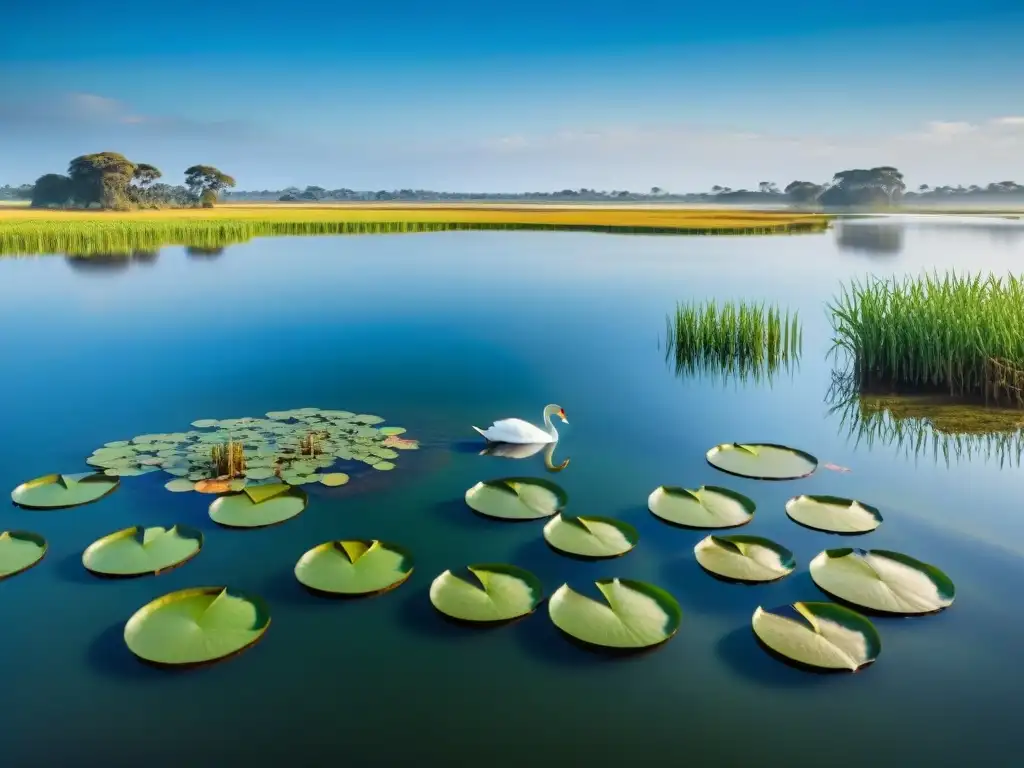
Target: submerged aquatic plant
{"points": [[956, 334], [740, 340], [921, 424]]}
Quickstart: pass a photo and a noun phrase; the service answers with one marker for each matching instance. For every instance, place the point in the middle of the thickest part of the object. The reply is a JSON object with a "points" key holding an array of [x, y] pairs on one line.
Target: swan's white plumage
{"points": [[516, 431]]}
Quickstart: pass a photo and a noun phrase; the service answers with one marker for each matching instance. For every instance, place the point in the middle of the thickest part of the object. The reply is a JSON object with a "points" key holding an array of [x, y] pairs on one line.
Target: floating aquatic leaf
{"points": [[258, 506], [833, 514], [504, 592], [516, 498], [60, 491], [194, 626], [19, 551], [383, 465], [709, 506], [136, 551], [590, 536], [366, 418], [744, 558], [637, 614], [823, 635], [883, 581], [762, 461], [258, 473], [354, 567], [215, 485], [204, 423], [334, 479], [392, 431], [180, 485], [116, 444]]}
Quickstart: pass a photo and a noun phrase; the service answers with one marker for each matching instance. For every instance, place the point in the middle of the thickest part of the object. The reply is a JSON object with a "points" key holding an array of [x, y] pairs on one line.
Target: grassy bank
{"points": [[28, 231], [742, 340], [956, 334]]}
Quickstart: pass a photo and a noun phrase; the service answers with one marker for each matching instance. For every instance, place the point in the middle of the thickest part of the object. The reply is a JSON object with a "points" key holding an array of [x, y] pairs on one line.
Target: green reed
{"points": [[962, 335], [125, 236], [739, 339]]}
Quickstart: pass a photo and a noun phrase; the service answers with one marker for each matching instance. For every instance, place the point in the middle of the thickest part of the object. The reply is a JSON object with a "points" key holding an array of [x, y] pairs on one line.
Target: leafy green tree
{"points": [[101, 179], [208, 198], [874, 186], [803, 191], [51, 189], [201, 179]]}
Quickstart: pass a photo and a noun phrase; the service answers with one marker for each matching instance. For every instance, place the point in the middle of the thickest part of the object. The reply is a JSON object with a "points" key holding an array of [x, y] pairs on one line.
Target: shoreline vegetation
{"points": [[30, 231]]}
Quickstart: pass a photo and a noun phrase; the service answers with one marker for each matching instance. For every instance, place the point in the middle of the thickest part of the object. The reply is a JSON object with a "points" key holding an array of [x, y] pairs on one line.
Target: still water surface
{"points": [[436, 333]]}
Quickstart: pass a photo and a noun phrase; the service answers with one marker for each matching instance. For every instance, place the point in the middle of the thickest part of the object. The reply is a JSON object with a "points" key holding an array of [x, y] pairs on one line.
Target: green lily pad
{"points": [[354, 567], [137, 551], [195, 626], [129, 471], [334, 479], [833, 514], [744, 558], [366, 418], [61, 491], [637, 614], [709, 506], [180, 485], [383, 466], [822, 635], [205, 423], [19, 551], [883, 581], [505, 592], [590, 536], [258, 473], [391, 431], [762, 461], [258, 506], [517, 498], [116, 444]]}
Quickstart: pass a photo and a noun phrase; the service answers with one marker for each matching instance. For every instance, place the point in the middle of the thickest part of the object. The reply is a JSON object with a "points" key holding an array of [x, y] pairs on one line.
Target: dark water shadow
{"points": [[700, 592], [466, 446], [283, 587], [745, 655], [418, 615], [543, 641], [457, 513], [70, 569], [108, 655]]}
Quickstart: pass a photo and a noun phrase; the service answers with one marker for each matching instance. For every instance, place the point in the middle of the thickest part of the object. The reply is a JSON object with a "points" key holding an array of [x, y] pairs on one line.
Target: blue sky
{"points": [[532, 95]]}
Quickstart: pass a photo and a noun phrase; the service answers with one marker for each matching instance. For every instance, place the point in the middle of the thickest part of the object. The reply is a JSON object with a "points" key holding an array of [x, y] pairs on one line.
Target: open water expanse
{"points": [[436, 333]]}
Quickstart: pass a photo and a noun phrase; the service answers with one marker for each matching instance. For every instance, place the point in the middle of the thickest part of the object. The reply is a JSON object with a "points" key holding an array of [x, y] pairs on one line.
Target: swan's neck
{"points": [[550, 427]]}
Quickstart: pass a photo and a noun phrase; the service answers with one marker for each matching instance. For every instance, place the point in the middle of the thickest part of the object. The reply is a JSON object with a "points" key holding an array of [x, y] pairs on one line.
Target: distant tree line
{"points": [[110, 180]]}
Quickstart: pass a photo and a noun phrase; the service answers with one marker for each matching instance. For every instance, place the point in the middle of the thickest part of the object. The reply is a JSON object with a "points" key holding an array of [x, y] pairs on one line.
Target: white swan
{"points": [[519, 431]]}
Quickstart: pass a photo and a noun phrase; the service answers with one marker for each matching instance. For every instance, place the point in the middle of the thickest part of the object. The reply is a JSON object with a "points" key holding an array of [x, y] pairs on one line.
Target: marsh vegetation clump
{"points": [[228, 459], [961, 335], [739, 339]]}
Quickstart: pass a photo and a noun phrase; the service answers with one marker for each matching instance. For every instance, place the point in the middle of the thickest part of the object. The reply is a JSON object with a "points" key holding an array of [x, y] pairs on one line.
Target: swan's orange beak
{"points": [[561, 415]]}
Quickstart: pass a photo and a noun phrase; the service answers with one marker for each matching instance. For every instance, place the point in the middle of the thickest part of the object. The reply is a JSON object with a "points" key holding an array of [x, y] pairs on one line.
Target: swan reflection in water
{"points": [[525, 451]]}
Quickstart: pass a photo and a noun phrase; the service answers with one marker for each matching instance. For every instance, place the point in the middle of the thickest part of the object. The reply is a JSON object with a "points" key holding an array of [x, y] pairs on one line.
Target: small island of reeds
{"points": [[960, 335], [741, 339], [38, 231]]}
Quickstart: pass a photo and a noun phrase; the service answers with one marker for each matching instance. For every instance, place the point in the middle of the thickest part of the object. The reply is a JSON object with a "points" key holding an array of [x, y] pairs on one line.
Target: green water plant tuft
{"points": [[709, 506], [958, 334], [882, 581], [61, 491], [816, 634], [501, 593], [196, 626], [19, 551], [517, 498], [635, 615], [354, 567], [734, 339], [833, 514], [137, 551], [744, 558], [762, 461], [590, 536]]}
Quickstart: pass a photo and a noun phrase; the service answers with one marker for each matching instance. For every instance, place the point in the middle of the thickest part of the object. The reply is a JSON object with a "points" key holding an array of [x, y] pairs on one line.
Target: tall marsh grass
{"points": [[960, 335], [86, 232], [742, 340]]}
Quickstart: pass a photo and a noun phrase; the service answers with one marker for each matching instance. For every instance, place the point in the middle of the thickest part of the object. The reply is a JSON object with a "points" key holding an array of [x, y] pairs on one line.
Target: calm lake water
{"points": [[438, 332]]}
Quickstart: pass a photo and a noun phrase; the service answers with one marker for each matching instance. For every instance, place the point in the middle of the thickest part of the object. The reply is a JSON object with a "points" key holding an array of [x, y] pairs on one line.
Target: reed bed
{"points": [[33, 231], [740, 340], [228, 459], [957, 334], [920, 426]]}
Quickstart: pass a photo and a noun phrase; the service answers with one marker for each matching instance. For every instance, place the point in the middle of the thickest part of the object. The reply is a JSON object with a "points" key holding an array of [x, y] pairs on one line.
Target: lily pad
{"points": [[136, 551], [214, 485], [637, 614], [258, 506], [504, 592], [180, 485], [195, 626], [709, 506], [883, 581], [19, 551], [590, 536], [517, 498], [334, 479], [354, 567], [744, 558], [61, 491], [383, 465], [762, 461], [390, 431], [822, 635], [833, 514]]}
